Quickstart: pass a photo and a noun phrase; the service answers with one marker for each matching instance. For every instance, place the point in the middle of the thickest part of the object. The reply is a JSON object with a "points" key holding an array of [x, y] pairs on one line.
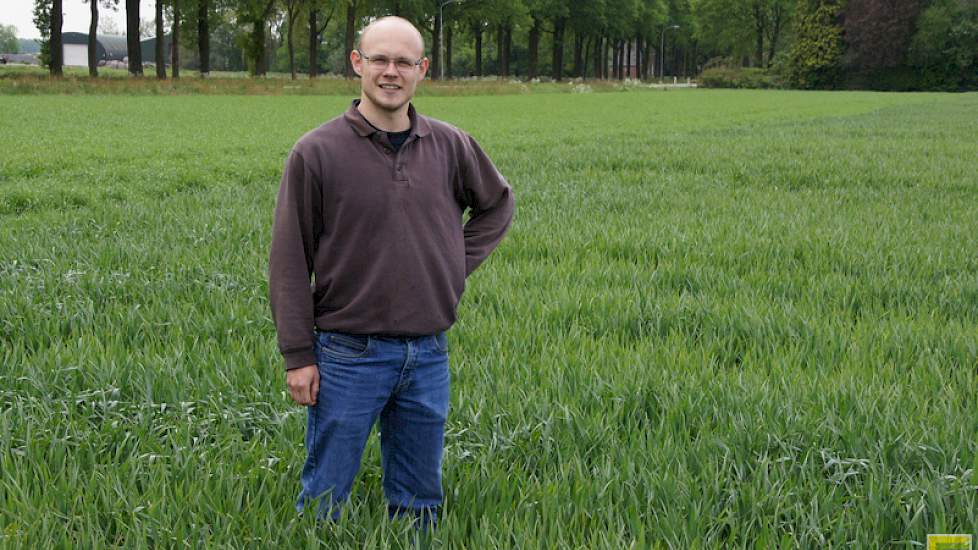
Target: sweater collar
{"points": [[419, 126]]}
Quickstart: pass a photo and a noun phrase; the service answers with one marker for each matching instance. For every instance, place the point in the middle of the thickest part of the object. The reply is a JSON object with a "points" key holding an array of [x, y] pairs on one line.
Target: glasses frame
{"points": [[395, 60]]}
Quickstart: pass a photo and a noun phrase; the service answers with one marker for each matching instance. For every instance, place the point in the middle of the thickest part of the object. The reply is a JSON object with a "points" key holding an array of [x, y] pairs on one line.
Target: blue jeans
{"points": [[405, 382]]}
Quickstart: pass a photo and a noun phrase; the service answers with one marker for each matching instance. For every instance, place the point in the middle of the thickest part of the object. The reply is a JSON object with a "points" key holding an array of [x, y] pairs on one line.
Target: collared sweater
{"points": [[369, 240]]}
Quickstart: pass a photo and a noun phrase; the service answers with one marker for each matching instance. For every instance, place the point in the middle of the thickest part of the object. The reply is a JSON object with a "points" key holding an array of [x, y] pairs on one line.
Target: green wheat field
{"points": [[722, 319]]}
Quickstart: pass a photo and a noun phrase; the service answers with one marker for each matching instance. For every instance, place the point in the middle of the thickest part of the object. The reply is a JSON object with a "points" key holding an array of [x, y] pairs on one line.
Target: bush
{"points": [[739, 77], [814, 61]]}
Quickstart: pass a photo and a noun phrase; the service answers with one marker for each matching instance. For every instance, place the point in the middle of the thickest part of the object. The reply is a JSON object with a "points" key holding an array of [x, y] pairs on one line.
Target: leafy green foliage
{"points": [[722, 319], [945, 48], [816, 56], [42, 20], [8, 39]]}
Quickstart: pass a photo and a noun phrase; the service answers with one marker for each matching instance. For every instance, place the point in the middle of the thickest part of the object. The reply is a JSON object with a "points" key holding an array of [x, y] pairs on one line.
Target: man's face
{"points": [[391, 86]]}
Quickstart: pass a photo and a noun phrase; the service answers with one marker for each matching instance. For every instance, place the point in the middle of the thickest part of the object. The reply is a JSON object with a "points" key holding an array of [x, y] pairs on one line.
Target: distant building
{"points": [[108, 48]]}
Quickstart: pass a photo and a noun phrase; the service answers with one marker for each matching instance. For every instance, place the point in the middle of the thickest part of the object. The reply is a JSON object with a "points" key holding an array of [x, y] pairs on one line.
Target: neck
{"points": [[388, 121]]}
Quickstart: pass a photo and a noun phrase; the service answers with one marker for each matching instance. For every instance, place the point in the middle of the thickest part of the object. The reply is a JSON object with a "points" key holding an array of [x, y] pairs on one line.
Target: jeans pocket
{"points": [[441, 342], [347, 346]]}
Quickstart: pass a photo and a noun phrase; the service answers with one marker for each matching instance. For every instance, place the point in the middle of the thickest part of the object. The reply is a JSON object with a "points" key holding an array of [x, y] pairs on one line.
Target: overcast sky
{"points": [[20, 13]]}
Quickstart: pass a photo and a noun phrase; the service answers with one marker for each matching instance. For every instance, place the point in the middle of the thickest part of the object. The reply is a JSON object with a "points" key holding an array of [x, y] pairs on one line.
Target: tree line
{"points": [[810, 43]]}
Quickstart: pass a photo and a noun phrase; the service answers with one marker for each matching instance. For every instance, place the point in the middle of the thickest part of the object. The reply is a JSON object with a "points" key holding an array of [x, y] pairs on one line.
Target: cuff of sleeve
{"points": [[299, 359]]}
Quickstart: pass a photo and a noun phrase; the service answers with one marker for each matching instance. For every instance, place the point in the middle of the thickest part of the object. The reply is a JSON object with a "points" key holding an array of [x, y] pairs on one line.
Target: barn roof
{"points": [[114, 47]]}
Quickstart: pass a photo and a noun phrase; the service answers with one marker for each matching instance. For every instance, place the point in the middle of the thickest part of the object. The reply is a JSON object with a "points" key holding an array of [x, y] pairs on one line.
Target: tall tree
{"points": [[533, 47], [133, 47], [740, 29], [204, 37], [57, 49], [48, 18], [175, 40], [350, 36], [159, 41], [557, 62], [541, 12], [316, 32], [92, 39], [877, 33], [255, 14], [292, 8], [588, 20], [944, 51], [816, 56]]}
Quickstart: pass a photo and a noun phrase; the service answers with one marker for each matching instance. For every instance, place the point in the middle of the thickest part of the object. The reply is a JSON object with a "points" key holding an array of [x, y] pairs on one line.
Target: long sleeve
{"points": [[298, 223], [491, 204]]}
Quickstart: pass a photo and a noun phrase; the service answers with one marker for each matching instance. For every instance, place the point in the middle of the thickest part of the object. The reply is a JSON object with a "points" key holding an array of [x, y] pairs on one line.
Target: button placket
{"points": [[400, 172]]}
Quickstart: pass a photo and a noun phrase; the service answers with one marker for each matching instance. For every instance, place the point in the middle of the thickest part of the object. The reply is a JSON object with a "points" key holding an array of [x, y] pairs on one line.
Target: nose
{"points": [[390, 70]]}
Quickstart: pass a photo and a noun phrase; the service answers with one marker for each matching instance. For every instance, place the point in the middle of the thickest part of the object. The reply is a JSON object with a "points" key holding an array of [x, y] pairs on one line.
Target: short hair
{"points": [[364, 30]]}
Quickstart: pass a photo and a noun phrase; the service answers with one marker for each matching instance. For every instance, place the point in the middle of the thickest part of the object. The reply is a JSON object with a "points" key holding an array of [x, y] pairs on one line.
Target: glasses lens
{"points": [[404, 65], [379, 62]]}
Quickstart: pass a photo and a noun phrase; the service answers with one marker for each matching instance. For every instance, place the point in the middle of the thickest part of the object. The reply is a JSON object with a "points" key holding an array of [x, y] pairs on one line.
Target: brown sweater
{"points": [[380, 231]]}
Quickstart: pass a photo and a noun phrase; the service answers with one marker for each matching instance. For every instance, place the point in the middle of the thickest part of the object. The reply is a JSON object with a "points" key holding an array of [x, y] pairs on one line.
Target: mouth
{"points": [[390, 87]]}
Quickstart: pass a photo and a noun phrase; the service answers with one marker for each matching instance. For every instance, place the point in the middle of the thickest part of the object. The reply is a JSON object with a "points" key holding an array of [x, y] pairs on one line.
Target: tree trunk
{"points": [[588, 54], [351, 21], [291, 15], [579, 56], [649, 61], [132, 38], [175, 41], [507, 47], [534, 49], [160, 56], [313, 42], [436, 49], [775, 27], [557, 64], [478, 49], [638, 57], [92, 42], [499, 51], [620, 47], [598, 48], [448, 52], [203, 38], [55, 42], [605, 45], [614, 60], [760, 21], [628, 59], [258, 46]]}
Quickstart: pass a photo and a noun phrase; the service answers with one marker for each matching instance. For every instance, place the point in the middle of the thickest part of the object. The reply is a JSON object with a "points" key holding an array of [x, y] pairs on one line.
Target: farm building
{"points": [[109, 48]]}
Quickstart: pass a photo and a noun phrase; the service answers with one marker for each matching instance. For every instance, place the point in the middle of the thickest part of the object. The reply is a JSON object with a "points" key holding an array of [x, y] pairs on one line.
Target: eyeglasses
{"points": [[380, 62]]}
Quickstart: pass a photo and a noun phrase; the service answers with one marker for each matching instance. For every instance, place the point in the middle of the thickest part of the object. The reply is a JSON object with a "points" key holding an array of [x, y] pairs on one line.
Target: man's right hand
{"points": [[303, 384]]}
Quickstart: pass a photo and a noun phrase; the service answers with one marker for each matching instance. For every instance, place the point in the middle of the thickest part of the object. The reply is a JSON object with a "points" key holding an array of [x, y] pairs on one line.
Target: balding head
{"points": [[392, 28]]}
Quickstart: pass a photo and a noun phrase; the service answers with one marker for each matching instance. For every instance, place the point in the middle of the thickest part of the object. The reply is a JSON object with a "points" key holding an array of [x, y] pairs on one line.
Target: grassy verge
{"points": [[34, 81]]}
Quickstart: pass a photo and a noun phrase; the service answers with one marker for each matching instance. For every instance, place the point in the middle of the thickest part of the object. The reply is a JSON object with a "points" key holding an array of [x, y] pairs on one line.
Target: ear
{"points": [[357, 62], [425, 62]]}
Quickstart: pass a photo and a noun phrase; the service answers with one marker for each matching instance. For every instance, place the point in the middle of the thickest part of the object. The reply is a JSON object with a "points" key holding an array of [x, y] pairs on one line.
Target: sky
{"points": [[20, 13]]}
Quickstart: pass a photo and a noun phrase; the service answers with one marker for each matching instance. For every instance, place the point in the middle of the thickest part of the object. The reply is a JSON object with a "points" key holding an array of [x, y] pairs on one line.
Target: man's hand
{"points": [[303, 384]]}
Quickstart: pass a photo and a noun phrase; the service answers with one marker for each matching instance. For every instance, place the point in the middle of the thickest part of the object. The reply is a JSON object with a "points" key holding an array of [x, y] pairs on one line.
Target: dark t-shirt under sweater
{"points": [[379, 230]]}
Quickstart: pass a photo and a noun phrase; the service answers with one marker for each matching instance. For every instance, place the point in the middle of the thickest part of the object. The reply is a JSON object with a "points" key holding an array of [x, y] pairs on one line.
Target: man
{"points": [[370, 206]]}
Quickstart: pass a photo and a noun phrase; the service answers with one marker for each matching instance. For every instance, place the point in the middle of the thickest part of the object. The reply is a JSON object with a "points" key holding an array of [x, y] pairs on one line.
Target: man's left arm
{"points": [[490, 200]]}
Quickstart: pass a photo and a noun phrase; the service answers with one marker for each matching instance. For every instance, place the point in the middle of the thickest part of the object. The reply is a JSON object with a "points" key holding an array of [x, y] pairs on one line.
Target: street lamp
{"points": [[662, 51], [441, 37]]}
